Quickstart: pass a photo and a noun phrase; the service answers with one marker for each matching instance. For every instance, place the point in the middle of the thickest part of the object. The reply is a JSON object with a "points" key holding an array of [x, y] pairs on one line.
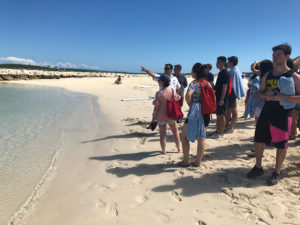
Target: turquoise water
{"points": [[33, 124]]}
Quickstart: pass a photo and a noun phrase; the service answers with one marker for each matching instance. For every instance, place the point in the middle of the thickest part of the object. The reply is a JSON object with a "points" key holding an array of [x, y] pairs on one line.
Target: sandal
{"points": [[194, 164], [251, 154], [182, 164]]}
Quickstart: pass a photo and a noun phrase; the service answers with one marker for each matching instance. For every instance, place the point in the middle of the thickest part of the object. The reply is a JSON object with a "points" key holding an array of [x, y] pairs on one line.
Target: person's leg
{"points": [[200, 151], [175, 132], [228, 116], [185, 145], [222, 124], [294, 124], [280, 156], [234, 118], [259, 151], [163, 137]]}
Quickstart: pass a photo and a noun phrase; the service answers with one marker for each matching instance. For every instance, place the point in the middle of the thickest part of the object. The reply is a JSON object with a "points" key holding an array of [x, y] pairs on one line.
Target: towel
{"points": [[237, 82], [287, 87], [196, 127]]}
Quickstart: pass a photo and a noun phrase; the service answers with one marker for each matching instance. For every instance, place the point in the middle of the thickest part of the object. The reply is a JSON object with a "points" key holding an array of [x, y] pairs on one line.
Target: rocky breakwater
{"points": [[11, 74]]}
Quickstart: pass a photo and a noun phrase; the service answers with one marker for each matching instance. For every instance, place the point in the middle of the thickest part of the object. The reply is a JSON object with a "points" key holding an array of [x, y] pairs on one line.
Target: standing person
{"points": [[160, 112], [238, 91], [253, 79], [181, 79], [265, 66], [295, 112], [274, 122], [209, 76], [194, 125], [221, 96], [174, 84]]}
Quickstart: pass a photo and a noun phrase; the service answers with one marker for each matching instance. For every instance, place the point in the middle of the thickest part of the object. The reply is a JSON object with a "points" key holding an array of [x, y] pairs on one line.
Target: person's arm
{"points": [[296, 77], [280, 97], [178, 87], [188, 96], [253, 68], [184, 81], [150, 73], [156, 104], [263, 86], [224, 89]]}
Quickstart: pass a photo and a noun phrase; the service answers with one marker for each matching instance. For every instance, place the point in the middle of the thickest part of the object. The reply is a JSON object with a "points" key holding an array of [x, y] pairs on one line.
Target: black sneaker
{"points": [[255, 172], [274, 178]]}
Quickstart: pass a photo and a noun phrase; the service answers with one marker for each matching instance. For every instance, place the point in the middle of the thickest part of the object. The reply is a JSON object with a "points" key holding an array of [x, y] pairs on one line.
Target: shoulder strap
{"points": [[172, 93]]}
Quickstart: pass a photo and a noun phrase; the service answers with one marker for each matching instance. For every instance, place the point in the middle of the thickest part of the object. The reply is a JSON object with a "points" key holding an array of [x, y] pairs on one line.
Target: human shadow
{"points": [[129, 157], [129, 135], [227, 152], [139, 123], [221, 181], [142, 170], [247, 124]]}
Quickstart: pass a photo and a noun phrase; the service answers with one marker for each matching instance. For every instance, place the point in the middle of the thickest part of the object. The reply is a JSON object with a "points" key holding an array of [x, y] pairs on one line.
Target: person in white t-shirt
{"points": [[174, 83]]}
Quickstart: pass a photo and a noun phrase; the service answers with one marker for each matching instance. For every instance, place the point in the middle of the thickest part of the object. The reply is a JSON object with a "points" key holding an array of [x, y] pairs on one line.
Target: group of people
{"points": [[273, 88]]}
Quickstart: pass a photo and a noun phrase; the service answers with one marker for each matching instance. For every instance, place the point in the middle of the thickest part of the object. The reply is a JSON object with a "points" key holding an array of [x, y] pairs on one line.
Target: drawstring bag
{"points": [[174, 108], [208, 98]]}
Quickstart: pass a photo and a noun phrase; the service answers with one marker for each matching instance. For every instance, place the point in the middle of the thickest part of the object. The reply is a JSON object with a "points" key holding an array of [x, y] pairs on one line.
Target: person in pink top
{"points": [[160, 113]]}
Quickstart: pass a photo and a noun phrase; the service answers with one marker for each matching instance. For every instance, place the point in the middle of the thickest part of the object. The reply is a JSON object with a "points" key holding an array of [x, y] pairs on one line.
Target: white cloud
{"points": [[16, 60]]}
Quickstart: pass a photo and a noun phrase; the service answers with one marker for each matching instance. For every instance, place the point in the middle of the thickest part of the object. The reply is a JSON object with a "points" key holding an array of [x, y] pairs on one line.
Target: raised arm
{"points": [[253, 68], [150, 73]]}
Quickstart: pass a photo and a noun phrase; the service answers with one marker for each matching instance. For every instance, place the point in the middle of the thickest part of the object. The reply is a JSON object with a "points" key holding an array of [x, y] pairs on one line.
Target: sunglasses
{"points": [[168, 68]]}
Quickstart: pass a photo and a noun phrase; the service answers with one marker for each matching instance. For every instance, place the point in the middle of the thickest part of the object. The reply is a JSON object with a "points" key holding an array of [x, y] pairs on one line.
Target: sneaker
{"points": [[274, 178], [255, 172], [217, 135], [211, 134]]}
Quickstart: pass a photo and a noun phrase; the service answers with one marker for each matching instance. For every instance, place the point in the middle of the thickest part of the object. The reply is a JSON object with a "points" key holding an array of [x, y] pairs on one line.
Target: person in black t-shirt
{"points": [[221, 96]]}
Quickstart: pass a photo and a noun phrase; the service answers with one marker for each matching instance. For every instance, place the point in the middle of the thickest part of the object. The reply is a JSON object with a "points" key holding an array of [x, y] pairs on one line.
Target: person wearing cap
{"points": [[174, 83], [160, 112]]}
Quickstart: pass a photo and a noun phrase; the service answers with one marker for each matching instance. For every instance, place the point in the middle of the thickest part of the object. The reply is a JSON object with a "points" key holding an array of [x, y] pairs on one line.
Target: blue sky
{"points": [[122, 35]]}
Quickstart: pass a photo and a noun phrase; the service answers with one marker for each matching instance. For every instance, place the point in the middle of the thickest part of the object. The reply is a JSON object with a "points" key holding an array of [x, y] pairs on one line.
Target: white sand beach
{"points": [[120, 177]]}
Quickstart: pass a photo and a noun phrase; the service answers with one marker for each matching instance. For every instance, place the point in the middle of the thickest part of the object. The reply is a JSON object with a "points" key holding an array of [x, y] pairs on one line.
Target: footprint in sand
{"points": [[143, 140], [162, 217], [179, 173], [112, 209], [105, 189], [117, 165], [143, 198], [200, 222], [100, 204], [176, 196], [136, 181], [243, 211]]}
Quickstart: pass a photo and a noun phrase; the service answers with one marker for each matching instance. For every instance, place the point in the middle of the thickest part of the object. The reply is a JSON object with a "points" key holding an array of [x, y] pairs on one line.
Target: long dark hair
{"points": [[199, 70], [265, 67]]}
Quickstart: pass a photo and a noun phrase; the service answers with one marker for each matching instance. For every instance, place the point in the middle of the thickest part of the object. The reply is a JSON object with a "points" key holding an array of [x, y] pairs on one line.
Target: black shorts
{"points": [[232, 100], [206, 118], [222, 109], [275, 128]]}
